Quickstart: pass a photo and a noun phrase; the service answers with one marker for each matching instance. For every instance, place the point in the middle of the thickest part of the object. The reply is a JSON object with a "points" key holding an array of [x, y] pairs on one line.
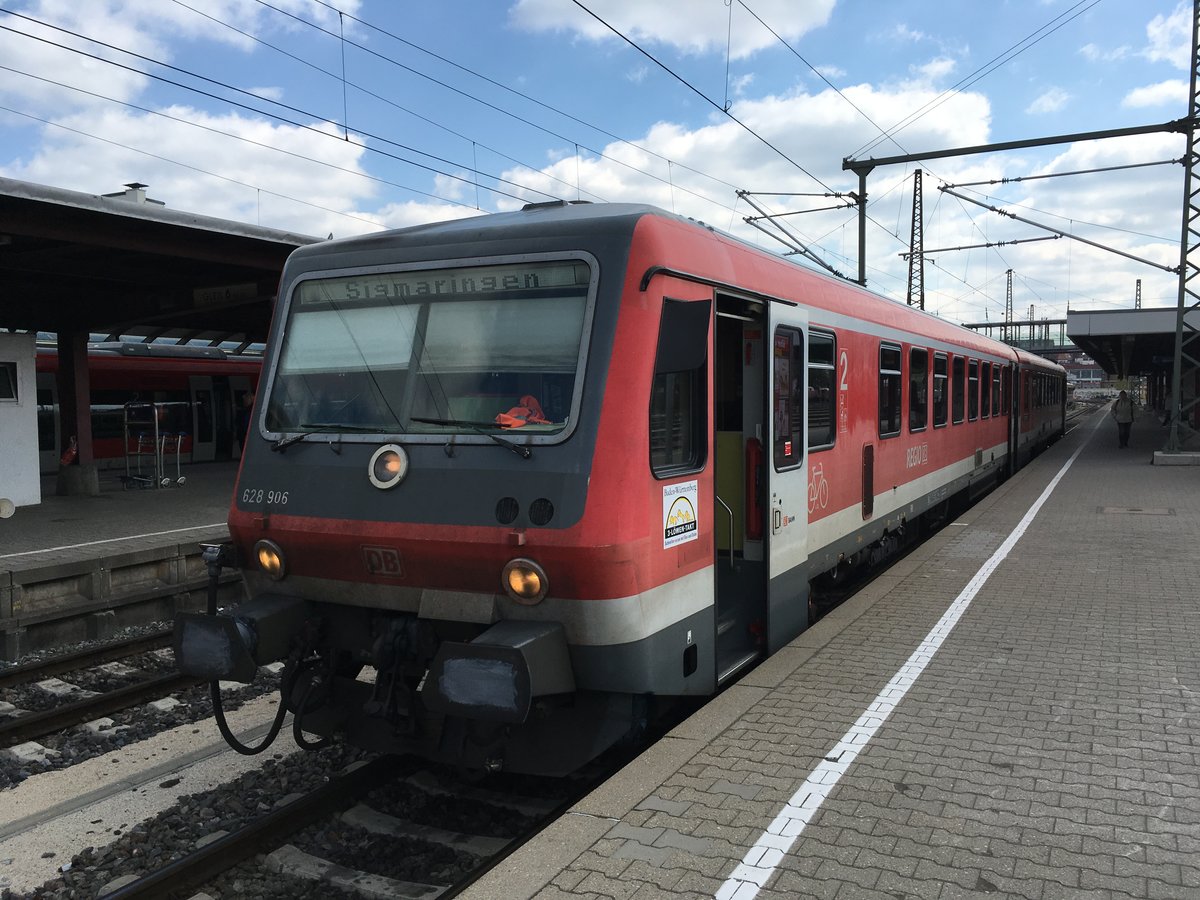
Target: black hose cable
{"points": [[214, 575], [223, 725], [298, 732]]}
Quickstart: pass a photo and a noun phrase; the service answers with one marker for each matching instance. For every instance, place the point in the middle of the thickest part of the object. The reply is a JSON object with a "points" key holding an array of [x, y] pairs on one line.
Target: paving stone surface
{"points": [[1049, 749]]}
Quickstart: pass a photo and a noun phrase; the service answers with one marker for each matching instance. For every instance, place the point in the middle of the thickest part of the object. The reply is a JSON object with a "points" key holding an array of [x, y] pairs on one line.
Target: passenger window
{"points": [[973, 390], [985, 392], [918, 389], [787, 397], [889, 390], [678, 420], [940, 389], [997, 409], [958, 400], [822, 396]]}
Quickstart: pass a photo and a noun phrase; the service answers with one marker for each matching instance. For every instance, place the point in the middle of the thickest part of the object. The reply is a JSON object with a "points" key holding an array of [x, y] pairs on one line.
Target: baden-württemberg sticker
{"points": [[679, 513]]}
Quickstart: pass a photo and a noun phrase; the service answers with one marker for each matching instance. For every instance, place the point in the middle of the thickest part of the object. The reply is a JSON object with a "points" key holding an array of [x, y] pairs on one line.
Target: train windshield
{"points": [[433, 351]]}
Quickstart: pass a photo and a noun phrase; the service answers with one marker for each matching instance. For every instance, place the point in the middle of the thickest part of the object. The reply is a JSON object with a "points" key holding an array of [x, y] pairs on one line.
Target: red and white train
{"points": [[535, 471], [199, 391]]}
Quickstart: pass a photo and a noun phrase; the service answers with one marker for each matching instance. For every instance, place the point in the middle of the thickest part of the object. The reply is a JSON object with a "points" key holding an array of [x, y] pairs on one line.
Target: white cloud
{"points": [[1093, 53], [1050, 101], [284, 176], [1173, 93], [807, 128], [933, 71], [741, 84], [401, 215], [143, 27], [705, 27], [905, 34], [1170, 37]]}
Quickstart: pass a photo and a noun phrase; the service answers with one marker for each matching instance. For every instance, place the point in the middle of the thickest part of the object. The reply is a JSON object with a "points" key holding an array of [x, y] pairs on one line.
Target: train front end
{"points": [[410, 517]]}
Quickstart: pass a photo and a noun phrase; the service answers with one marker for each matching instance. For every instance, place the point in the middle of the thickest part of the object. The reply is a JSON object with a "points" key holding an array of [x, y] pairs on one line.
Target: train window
{"points": [[1006, 390], [822, 393], [918, 389], [1025, 384], [997, 408], [973, 390], [678, 425], [676, 422], [959, 387], [434, 351], [890, 374], [8, 381], [787, 398], [985, 390], [940, 393]]}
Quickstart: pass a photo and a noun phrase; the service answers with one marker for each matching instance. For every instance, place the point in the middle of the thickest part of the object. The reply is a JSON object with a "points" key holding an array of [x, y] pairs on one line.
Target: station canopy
{"points": [[122, 266], [1129, 342]]}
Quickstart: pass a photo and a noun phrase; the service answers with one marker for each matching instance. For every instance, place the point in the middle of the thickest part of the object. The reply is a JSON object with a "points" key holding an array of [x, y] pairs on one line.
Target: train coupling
{"points": [[497, 676], [231, 646]]}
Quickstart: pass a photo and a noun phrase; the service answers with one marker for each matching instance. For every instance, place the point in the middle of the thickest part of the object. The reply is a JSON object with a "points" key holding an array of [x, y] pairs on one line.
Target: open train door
{"points": [[786, 465]]}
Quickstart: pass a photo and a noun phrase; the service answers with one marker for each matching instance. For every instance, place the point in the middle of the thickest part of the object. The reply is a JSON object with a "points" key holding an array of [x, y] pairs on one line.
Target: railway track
{"points": [[83, 659], [385, 827], [34, 725]]}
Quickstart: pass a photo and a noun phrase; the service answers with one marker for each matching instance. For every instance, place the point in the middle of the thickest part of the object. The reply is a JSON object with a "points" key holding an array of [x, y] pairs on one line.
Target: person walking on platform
{"points": [[1122, 411]]}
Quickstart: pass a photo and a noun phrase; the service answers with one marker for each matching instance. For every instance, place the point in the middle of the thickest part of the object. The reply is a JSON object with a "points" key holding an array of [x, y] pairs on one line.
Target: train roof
{"points": [[503, 232]]}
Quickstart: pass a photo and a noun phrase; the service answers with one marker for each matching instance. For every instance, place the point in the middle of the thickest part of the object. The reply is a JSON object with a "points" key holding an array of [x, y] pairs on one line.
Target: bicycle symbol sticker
{"points": [[818, 489]]}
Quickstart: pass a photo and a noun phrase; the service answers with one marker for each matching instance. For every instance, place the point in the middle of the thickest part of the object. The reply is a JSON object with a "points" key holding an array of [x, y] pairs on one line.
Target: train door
{"points": [[740, 483], [47, 423], [242, 396], [787, 474], [222, 418], [204, 446]]}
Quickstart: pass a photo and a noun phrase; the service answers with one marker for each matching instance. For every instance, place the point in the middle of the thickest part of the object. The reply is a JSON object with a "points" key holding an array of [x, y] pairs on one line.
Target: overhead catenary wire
{"points": [[983, 71], [250, 108], [699, 93], [509, 113], [475, 144]]}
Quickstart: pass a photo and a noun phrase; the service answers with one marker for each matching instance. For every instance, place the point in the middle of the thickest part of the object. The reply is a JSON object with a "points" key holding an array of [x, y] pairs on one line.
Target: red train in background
{"points": [[200, 391], [514, 480]]}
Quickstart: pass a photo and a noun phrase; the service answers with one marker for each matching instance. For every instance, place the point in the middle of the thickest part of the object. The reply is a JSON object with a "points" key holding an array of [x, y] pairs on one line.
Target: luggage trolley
{"points": [[171, 445], [142, 444]]}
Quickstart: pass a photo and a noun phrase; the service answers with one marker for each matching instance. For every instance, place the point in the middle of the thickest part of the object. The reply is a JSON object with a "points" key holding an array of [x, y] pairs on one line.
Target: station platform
{"points": [[79, 567], [1012, 710], [65, 529]]}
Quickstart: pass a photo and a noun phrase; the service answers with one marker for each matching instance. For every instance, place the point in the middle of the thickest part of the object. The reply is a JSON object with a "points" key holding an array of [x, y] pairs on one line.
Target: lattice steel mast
{"points": [[916, 248], [1185, 363]]}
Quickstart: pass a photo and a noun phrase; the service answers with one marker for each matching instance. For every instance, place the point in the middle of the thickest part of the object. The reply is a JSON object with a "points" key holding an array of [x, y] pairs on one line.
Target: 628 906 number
{"points": [[259, 495]]}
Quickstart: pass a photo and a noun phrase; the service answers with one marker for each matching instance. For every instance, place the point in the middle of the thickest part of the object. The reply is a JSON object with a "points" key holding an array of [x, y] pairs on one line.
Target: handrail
{"points": [[725, 506]]}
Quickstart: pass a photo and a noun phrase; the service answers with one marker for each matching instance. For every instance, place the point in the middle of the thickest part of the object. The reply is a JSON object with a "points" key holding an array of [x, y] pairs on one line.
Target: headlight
{"points": [[525, 581], [270, 558], [388, 466]]}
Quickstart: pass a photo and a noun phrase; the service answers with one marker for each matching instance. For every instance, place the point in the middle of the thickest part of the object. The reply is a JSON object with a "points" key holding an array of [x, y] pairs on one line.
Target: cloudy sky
{"points": [[346, 116]]}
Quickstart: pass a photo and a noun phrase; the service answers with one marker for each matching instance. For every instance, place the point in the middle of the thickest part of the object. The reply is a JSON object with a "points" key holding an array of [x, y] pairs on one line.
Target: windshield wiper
{"points": [[313, 428], [478, 427]]}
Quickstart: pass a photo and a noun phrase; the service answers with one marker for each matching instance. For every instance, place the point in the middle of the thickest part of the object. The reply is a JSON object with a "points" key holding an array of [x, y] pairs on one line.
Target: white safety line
{"points": [[128, 537], [761, 860]]}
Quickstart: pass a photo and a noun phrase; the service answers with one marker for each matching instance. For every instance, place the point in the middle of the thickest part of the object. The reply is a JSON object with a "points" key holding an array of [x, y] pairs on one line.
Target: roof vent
{"points": [[554, 204], [135, 192]]}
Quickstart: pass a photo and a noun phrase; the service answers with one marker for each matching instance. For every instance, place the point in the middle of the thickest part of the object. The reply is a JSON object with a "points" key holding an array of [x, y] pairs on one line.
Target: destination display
{"points": [[457, 282]]}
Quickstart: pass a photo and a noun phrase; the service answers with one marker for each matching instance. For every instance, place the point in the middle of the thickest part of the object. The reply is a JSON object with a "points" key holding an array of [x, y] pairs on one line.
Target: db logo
{"points": [[383, 561]]}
